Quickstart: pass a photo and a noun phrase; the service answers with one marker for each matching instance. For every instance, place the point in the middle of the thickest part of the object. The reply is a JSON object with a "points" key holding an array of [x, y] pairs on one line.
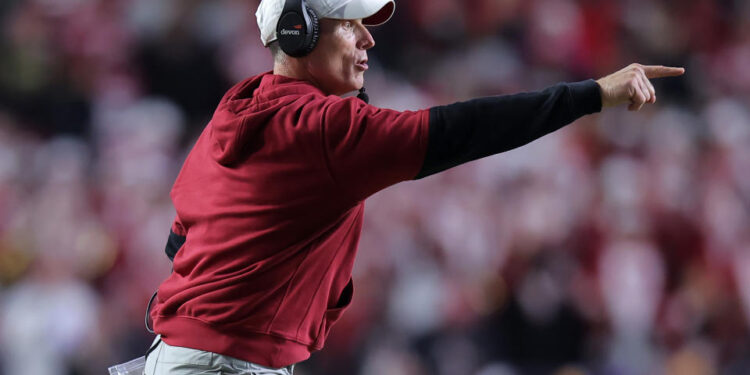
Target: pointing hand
{"points": [[632, 85]]}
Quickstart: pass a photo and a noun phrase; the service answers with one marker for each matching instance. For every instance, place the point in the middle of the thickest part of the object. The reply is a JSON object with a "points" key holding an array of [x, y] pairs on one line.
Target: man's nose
{"points": [[365, 40]]}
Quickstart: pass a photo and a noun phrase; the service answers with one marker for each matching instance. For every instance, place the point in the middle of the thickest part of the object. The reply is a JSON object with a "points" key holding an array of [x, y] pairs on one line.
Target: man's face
{"points": [[339, 61]]}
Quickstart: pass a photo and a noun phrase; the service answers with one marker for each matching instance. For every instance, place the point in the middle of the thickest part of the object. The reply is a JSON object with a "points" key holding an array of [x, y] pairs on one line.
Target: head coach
{"points": [[270, 200]]}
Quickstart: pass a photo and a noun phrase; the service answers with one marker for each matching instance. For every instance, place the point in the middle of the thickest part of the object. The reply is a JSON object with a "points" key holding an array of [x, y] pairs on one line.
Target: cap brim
{"points": [[372, 12], [382, 16]]}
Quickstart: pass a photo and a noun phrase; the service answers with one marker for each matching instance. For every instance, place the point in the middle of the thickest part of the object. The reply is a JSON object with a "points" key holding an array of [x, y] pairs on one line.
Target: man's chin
{"points": [[358, 83]]}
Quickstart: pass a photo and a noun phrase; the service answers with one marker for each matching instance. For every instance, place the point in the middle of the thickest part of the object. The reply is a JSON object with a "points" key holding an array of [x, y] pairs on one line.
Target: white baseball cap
{"points": [[372, 13]]}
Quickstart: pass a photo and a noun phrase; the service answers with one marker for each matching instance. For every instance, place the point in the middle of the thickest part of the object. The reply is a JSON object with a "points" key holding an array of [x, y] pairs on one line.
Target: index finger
{"points": [[660, 71]]}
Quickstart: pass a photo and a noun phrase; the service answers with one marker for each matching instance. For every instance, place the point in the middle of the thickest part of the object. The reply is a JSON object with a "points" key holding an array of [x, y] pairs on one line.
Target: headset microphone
{"points": [[363, 95]]}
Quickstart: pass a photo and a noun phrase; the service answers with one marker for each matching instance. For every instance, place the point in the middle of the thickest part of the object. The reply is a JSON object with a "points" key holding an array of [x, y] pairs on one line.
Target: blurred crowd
{"points": [[618, 245]]}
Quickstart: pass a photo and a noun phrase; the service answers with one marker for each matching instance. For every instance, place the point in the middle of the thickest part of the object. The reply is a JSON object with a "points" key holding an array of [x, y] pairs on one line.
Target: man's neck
{"points": [[293, 69], [297, 69]]}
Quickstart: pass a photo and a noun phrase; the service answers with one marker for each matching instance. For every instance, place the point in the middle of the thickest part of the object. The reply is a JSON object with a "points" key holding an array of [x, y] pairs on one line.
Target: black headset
{"points": [[297, 30]]}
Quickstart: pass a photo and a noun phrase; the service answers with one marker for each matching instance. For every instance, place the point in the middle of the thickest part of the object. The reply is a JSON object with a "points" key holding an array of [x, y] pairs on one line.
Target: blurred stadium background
{"points": [[619, 245]]}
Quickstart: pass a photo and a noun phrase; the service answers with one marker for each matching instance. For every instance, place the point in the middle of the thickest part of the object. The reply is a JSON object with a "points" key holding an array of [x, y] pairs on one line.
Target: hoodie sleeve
{"points": [[368, 149]]}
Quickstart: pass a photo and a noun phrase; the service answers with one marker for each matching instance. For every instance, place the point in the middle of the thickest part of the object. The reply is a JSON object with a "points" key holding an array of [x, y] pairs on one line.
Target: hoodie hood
{"points": [[247, 108]]}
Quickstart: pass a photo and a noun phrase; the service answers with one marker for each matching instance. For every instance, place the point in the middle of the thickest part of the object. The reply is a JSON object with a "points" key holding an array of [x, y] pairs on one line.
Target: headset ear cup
{"points": [[314, 31], [295, 40]]}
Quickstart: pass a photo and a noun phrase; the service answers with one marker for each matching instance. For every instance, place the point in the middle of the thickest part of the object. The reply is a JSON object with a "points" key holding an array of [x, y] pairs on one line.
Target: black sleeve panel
{"points": [[174, 243], [466, 131]]}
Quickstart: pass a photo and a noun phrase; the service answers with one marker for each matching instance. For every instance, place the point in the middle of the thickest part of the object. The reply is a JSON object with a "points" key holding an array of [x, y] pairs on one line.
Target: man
{"points": [[270, 200]]}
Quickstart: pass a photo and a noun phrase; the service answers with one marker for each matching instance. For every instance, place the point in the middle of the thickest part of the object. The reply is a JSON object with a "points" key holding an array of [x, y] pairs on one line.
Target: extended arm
{"points": [[473, 129], [466, 131]]}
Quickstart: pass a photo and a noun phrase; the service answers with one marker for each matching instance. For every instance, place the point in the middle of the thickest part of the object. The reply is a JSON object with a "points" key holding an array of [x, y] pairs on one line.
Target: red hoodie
{"points": [[270, 201]]}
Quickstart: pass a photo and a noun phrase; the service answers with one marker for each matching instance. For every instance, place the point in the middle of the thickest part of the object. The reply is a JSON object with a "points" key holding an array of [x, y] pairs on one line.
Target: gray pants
{"points": [[166, 359]]}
